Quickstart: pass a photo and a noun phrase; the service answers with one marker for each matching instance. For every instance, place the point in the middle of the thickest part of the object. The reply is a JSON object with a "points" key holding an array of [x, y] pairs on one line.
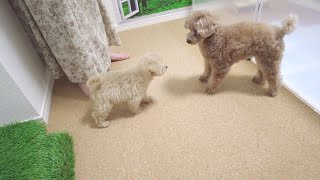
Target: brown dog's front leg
{"points": [[206, 73], [215, 79]]}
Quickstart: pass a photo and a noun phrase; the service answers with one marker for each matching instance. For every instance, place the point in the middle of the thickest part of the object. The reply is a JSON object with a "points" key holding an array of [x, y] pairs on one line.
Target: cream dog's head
{"points": [[152, 63], [201, 24]]}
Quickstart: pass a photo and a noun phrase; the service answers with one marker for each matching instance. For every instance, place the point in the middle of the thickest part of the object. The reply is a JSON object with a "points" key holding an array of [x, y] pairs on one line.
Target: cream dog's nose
{"points": [[188, 41]]}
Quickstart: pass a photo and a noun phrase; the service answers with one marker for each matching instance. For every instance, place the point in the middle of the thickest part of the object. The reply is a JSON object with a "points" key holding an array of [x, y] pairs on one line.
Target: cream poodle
{"points": [[222, 46], [110, 88]]}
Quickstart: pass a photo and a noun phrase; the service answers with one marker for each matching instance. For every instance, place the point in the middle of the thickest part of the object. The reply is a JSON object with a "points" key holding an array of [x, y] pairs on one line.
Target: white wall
{"points": [[22, 63], [14, 105]]}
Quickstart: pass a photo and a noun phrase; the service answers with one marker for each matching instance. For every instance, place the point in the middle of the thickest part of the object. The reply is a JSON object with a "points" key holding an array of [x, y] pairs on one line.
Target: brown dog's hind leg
{"points": [[259, 78], [270, 68], [274, 83]]}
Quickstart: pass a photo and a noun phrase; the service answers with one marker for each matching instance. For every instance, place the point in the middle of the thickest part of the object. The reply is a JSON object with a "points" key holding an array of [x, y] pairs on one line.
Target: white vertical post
{"points": [[257, 11]]}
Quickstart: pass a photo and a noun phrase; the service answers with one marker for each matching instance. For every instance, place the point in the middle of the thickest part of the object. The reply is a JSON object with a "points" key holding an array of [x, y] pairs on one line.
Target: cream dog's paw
{"points": [[103, 124], [139, 110], [147, 99]]}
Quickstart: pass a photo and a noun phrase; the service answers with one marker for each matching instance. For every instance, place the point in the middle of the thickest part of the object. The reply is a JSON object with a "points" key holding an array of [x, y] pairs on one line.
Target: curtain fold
{"points": [[72, 37]]}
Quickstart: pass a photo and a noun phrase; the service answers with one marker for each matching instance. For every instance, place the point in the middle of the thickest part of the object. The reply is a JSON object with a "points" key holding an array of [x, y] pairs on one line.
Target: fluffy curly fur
{"points": [[222, 46], [110, 88]]}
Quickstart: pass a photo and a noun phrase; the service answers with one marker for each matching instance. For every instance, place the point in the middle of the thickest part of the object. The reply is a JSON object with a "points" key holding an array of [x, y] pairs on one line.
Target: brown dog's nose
{"points": [[188, 41]]}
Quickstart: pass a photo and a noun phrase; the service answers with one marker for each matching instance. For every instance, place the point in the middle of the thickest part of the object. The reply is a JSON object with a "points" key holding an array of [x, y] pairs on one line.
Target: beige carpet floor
{"points": [[237, 133]]}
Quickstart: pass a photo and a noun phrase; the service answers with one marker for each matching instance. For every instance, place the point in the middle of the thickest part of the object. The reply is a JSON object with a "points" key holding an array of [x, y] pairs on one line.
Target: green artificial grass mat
{"points": [[28, 152]]}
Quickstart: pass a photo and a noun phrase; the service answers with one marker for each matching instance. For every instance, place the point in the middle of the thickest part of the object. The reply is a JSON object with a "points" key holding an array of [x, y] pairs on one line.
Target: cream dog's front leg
{"points": [[134, 105], [147, 99]]}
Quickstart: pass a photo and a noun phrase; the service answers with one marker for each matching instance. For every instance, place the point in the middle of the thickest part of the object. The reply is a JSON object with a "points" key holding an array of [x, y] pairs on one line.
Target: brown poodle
{"points": [[222, 46]]}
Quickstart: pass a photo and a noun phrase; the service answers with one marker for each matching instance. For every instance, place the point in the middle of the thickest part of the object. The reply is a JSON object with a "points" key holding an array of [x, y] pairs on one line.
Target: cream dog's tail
{"points": [[288, 25]]}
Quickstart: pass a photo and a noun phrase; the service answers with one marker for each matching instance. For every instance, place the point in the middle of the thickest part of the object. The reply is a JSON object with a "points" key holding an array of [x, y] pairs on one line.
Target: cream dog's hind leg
{"points": [[100, 114]]}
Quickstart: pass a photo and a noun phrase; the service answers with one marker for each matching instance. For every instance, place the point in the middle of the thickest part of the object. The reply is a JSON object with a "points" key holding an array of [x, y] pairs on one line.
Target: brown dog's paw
{"points": [[203, 78], [210, 90], [272, 93], [258, 80]]}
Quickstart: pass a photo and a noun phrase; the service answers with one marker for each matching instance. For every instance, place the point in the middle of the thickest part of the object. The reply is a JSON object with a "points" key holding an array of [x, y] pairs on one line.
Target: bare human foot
{"points": [[84, 88], [118, 57]]}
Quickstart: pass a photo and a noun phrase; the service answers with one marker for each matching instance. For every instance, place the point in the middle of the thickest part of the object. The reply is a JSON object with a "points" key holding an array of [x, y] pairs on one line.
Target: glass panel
{"points": [[133, 5], [301, 61], [125, 8], [228, 10], [157, 6]]}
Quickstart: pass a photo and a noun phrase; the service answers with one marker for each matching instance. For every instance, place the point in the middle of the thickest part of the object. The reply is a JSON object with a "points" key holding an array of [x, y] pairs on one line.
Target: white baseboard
{"points": [[301, 97], [153, 19], [45, 112]]}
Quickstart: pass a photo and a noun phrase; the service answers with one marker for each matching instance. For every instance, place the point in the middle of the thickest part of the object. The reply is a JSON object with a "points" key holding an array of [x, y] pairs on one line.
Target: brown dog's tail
{"points": [[94, 82], [288, 25]]}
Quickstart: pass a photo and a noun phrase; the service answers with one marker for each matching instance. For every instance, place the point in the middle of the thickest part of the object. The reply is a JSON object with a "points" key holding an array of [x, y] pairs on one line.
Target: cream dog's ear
{"points": [[205, 25], [157, 69], [150, 61], [153, 68], [94, 82]]}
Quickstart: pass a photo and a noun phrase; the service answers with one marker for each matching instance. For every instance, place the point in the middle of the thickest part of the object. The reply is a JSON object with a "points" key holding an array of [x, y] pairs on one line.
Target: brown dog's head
{"points": [[152, 63], [201, 24]]}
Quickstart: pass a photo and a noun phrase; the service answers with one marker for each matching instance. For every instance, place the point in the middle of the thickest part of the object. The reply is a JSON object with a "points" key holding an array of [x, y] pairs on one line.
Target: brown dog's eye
{"points": [[196, 33]]}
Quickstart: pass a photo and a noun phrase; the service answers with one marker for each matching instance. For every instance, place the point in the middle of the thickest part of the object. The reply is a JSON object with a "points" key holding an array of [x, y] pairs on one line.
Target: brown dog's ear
{"points": [[186, 23], [205, 25]]}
